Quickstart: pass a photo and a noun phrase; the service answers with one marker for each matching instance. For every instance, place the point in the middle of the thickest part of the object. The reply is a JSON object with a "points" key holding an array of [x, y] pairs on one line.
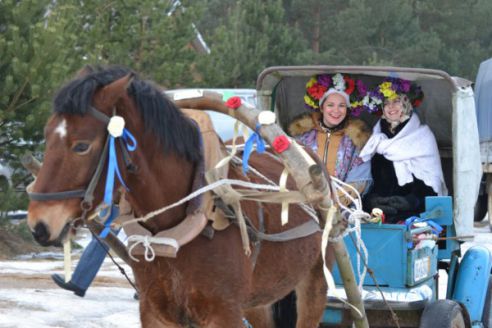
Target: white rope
{"points": [[308, 209], [146, 242], [355, 216], [272, 187], [238, 160], [233, 151], [241, 146], [200, 191], [339, 185]]}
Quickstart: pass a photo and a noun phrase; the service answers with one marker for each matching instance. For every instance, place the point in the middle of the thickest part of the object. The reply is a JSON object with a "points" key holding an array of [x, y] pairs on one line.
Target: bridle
{"points": [[87, 194]]}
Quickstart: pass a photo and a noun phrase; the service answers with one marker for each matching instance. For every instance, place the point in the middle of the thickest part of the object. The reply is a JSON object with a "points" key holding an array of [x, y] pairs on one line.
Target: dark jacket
{"points": [[386, 183]]}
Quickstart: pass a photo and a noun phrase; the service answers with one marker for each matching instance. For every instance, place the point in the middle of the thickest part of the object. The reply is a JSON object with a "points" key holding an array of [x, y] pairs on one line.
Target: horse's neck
{"points": [[160, 181]]}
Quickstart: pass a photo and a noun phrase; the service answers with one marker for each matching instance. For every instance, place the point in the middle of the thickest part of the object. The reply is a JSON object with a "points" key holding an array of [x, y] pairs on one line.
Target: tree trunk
{"points": [[316, 27]]}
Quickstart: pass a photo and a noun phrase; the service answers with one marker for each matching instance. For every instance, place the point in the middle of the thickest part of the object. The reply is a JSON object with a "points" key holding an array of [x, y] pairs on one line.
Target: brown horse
{"points": [[211, 283]]}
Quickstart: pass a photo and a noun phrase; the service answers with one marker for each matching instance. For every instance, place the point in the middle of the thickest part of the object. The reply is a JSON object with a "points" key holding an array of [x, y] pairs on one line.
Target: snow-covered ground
{"points": [[30, 299]]}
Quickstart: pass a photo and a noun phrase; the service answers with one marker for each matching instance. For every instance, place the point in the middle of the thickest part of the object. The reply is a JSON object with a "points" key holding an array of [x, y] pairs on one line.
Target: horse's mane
{"points": [[174, 131]]}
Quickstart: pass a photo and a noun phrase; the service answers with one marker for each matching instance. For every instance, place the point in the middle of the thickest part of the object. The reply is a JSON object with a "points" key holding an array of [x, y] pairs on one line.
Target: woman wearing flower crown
{"points": [[337, 138], [403, 152], [330, 130]]}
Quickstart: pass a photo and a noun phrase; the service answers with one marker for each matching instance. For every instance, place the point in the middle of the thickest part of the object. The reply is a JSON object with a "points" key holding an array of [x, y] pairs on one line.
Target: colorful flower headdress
{"points": [[391, 87], [361, 99], [319, 84]]}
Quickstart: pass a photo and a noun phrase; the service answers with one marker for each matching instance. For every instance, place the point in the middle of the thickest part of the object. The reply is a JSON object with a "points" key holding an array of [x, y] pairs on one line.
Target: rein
{"points": [[115, 126]]}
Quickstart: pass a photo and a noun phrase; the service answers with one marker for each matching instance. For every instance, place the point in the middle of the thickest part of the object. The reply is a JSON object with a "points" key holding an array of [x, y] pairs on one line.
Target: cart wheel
{"points": [[444, 314], [487, 307]]}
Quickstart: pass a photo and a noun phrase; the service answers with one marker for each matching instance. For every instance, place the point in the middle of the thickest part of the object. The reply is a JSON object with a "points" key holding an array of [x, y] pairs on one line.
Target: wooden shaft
{"points": [[316, 174], [33, 166], [351, 289], [341, 256], [292, 157]]}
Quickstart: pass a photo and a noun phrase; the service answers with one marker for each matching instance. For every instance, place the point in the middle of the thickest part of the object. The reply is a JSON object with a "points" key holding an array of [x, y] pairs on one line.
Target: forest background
{"points": [[43, 43]]}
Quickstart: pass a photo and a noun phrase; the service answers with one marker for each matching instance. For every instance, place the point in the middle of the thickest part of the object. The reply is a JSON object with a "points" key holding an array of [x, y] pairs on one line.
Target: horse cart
{"points": [[403, 287], [241, 275]]}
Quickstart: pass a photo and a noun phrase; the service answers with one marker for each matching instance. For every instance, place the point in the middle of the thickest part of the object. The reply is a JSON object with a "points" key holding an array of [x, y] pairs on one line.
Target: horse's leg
{"points": [[311, 297], [226, 316], [150, 319], [260, 317]]}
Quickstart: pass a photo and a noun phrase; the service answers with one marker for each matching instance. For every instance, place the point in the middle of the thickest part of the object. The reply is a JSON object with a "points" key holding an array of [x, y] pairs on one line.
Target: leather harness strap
{"points": [[87, 194], [306, 229]]}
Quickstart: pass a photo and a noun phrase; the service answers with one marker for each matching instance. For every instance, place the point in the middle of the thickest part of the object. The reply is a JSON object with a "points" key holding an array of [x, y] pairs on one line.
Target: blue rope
{"points": [[246, 323], [131, 145], [255, 138]]}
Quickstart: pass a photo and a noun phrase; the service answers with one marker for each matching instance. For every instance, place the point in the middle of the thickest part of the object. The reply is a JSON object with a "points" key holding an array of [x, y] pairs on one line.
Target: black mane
{"points": [[174, 131]]}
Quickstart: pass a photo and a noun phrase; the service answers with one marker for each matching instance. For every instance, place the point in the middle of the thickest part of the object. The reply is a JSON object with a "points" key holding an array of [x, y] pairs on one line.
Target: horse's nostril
{"points": [[41, 234]]}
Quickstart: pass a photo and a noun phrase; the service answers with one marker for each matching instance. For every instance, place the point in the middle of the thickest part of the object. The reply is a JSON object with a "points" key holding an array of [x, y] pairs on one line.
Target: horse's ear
{"points": [[106, 98], [84, 71]]}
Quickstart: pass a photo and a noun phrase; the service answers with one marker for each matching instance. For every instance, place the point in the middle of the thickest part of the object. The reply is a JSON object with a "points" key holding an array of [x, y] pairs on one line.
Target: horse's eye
{"points": [[81, 148]]}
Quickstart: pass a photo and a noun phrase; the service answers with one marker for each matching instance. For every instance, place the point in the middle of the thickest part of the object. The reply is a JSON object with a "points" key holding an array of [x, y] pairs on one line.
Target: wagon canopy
{"points": [[448, 108]]}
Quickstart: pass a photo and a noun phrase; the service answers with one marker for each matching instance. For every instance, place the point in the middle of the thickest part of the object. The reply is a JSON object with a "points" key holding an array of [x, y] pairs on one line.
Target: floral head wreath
{"points": [[390, 89], [319, 84]]}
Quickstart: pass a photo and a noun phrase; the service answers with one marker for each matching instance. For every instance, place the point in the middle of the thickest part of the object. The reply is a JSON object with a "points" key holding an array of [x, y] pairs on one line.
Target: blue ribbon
{"points": [[131, 145], [436, 228], [255, 138]]}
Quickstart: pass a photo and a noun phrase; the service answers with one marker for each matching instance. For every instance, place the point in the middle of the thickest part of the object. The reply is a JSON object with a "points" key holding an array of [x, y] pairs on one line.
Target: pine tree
{"points": [[253, 37], [33, 63], [44, 43], [151, 37], [465, 30]]}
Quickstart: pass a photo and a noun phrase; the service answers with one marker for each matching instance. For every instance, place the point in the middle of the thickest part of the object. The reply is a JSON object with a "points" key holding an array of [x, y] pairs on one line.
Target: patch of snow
{"points": [[101, 307]]}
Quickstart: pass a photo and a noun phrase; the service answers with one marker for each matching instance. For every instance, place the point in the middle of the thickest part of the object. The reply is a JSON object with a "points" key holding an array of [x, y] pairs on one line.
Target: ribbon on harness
{"points": [[130, 144], [435, 228], [255, 138]]}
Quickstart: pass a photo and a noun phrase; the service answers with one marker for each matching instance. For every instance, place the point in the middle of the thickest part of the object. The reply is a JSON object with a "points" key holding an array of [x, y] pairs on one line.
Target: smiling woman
{"points": [[337, 137], [403, 174], [331, 129]]}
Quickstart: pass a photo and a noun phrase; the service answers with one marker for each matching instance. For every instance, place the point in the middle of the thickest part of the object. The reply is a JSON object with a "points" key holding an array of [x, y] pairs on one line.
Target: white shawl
{"points": [[413, 152]]}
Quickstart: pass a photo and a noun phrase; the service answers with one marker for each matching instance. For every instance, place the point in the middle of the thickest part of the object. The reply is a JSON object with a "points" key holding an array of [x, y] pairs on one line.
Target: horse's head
{"points": [[75, 140], [76, 155]]}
